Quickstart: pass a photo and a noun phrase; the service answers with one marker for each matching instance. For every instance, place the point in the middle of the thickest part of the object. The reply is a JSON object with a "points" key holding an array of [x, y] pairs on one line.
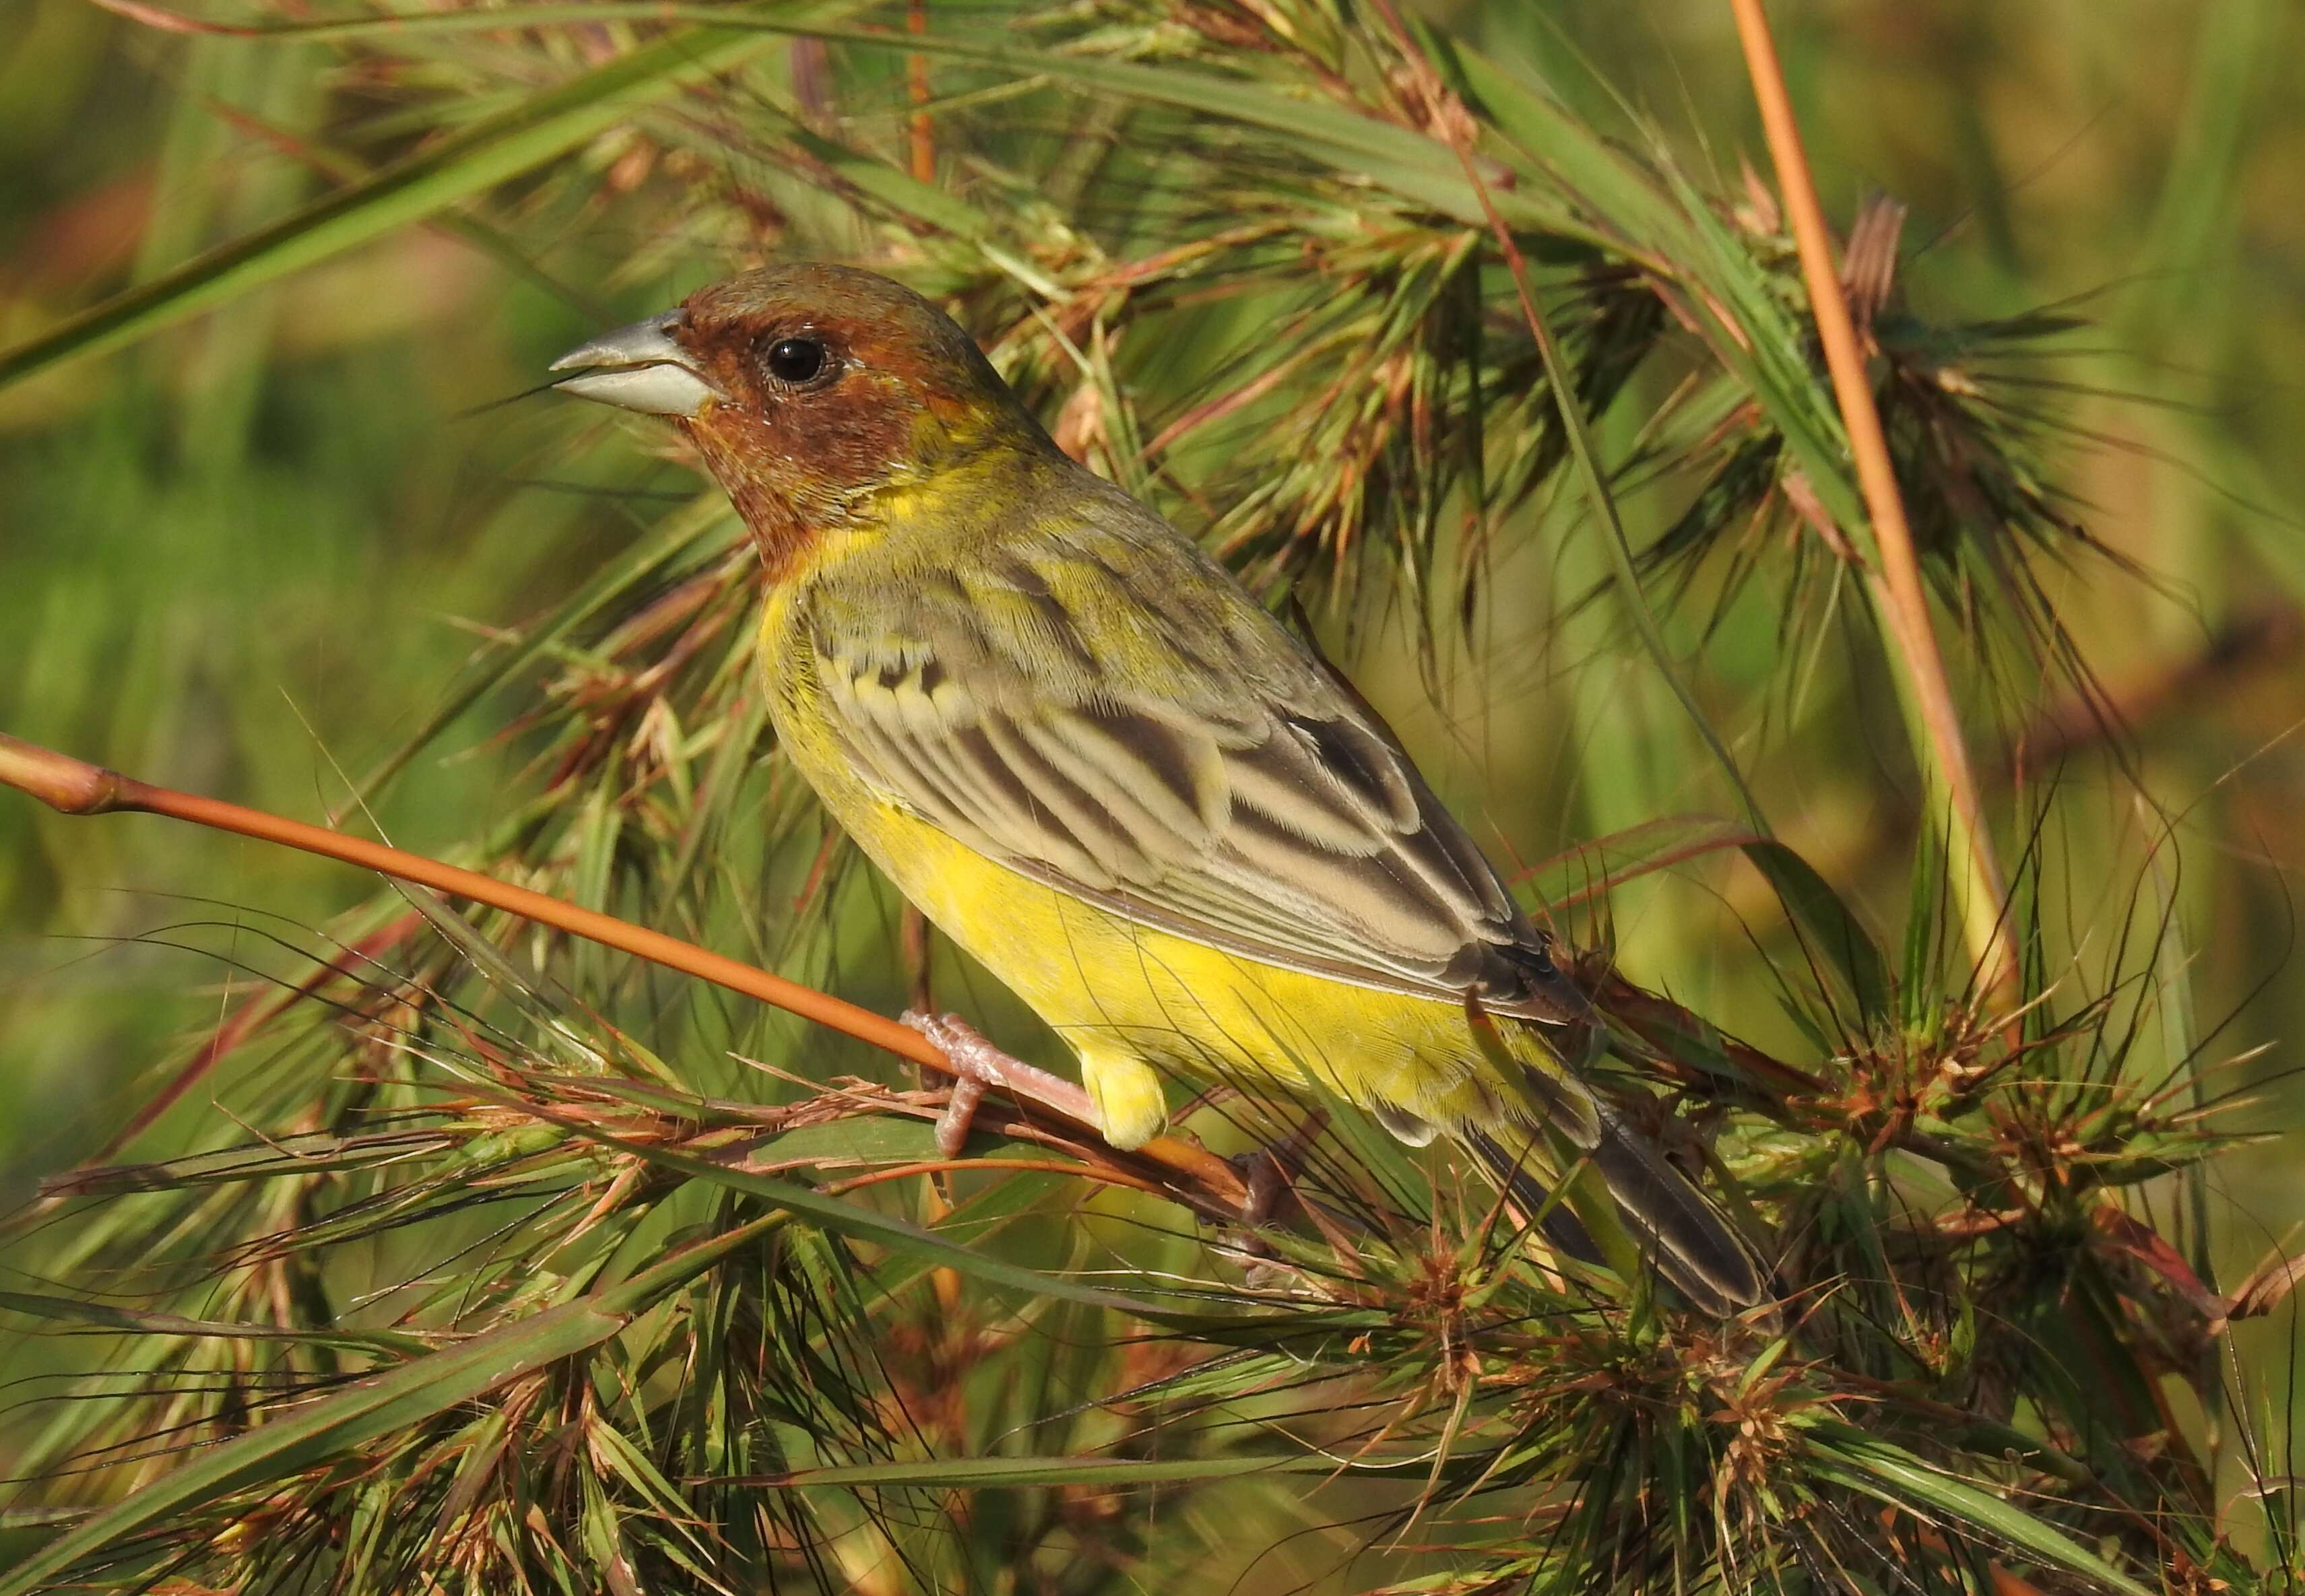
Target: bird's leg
{"points": [[1269, 1170], [1265, 1178], [979, 1065]]}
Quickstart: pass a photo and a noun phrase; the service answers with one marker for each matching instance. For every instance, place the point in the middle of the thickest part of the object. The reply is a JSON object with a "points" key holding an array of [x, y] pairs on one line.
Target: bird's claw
{"points": [[978, 1065], [953, 1125], [1270, 1170], [1262, 1173]]}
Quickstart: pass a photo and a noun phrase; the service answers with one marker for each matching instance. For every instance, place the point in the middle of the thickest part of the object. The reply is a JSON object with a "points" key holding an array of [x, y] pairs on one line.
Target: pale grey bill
{"points": [[638, 367]]}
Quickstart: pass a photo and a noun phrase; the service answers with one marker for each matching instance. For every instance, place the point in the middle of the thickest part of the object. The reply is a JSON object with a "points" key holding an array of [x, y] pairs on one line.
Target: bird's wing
{"points": [[1113, 716]]}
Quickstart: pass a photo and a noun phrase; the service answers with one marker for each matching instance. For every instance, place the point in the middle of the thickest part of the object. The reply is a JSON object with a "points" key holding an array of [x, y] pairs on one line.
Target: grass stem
{"points": [[1894, 576], [76, 788]]}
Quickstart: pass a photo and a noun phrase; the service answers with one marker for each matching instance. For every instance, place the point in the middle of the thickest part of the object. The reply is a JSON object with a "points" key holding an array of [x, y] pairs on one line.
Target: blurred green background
{"points": [[247, 555]]}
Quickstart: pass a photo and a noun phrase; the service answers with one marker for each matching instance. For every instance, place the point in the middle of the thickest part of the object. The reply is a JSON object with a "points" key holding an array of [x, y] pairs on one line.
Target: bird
{"points": [[1127, 788]]}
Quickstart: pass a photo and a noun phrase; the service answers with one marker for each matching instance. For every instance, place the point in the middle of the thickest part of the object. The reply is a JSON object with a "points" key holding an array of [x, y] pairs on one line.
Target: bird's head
{"points": [[809, 391]]}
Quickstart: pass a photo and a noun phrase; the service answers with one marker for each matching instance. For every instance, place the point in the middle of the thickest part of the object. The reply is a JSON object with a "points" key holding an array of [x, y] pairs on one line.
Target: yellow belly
{"points": [[1137, 1004]]}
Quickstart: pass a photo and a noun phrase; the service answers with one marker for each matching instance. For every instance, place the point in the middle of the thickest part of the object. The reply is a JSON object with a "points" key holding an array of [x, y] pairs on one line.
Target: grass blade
{"points": [[411, 189], [378, 1405]]}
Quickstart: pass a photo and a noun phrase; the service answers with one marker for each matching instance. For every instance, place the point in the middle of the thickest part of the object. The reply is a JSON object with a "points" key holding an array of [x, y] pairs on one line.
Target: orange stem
{"points": [[76, 788], [1117, 1178], [917, 84], [1903, 597]]}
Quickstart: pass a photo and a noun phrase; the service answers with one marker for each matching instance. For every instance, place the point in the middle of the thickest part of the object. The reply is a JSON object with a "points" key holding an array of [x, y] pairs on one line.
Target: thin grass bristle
{"points": [[457, 1249]]}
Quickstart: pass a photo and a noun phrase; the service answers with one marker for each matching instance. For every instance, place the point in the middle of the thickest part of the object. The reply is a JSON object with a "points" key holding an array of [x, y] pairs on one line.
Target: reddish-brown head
{"points": [[810, 390]]}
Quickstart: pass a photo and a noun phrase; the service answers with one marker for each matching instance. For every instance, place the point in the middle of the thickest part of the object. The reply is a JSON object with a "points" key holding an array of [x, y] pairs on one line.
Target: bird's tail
{"points": [[1677, 1227]]}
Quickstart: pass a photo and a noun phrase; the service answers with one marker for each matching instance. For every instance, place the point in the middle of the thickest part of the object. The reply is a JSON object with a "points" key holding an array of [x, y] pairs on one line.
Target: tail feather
{"points": [[1556, 1223], [1691, 1243], [1694, 1243]]}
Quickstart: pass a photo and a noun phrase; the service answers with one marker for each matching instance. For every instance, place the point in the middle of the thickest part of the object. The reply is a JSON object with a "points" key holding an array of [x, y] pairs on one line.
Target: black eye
{"points": [[794, 360]]}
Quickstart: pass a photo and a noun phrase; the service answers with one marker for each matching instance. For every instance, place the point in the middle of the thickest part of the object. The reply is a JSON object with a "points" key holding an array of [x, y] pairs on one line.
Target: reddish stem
{"points": [[76, 788], [1903, 599]]}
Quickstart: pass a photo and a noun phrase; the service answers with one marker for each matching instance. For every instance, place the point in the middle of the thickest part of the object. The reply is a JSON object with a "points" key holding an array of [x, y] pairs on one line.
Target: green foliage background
{"points": [[252, 554]]}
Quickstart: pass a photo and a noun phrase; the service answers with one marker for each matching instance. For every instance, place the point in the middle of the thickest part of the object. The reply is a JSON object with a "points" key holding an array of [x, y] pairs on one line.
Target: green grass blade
{"points": [[1592, 869], [1395, 157], [860, 1223], [1016, 1473], [1830, 928], [1862, 1462], [378, 1405], [411, 189], [99, 1317]]}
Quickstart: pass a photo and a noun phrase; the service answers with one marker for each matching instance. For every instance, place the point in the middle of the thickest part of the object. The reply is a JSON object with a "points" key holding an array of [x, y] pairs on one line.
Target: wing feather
{"points": [[1096, 711]]}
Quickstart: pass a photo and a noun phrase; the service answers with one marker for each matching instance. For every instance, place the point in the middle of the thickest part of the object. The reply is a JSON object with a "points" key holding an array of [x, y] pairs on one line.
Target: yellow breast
{"points": [[1138, 1004]]}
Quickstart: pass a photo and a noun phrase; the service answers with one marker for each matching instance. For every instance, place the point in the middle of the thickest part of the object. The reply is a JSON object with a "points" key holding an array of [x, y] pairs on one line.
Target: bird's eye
{"points": [[794, 360]]}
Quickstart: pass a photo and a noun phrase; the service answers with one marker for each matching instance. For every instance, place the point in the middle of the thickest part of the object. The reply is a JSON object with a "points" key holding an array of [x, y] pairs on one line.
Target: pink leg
{"points": [[981, 1066]]}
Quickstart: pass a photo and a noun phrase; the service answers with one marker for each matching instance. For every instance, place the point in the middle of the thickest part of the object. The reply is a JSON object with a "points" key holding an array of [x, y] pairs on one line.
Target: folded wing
{"points": [[1098, 713]]}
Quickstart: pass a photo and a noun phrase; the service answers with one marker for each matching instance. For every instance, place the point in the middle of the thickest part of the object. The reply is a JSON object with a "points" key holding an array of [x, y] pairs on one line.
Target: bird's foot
{"points": [[1262, 1174], [1271, 1169], [977, 1067]]}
